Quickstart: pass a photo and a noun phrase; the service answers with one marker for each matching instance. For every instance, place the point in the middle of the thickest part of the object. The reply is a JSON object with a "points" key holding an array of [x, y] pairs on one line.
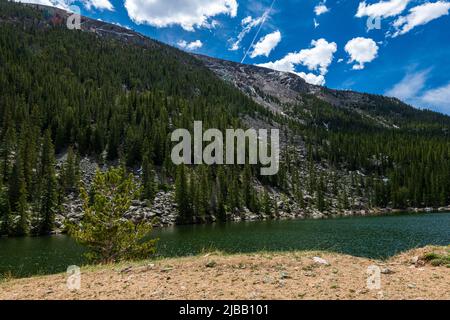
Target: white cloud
{"points": [[438, 97], [248, 23], [311, 78], [187, 14], [390, 8], [191, 46], [409, 87], [420, 15], [321, 8], [246, 20], [411, 90], [266, 44], [316, 24], [119, 25], [361, 51], [98, 4], [317, 58], [65, 4]]}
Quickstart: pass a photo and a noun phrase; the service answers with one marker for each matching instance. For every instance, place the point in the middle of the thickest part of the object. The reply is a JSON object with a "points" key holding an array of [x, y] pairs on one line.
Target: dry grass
{"points": [[293, 275]]}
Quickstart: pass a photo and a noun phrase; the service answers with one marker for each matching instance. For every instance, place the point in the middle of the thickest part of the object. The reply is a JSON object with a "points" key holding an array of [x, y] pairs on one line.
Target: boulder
{"points": [[321, 261]]}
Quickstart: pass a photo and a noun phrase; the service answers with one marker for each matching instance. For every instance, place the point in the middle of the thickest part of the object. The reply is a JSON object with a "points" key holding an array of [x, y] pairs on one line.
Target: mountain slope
{"points": [[287, 93], [109, 95]]}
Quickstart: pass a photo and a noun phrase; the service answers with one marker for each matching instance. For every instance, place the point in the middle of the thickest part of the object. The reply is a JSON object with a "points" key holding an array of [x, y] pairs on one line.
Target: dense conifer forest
{"points": [[82, 95]]}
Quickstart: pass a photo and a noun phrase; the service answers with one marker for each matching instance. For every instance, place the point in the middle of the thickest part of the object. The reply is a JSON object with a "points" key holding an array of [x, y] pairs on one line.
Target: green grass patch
{"points": [[436, 259], [6, 276]]}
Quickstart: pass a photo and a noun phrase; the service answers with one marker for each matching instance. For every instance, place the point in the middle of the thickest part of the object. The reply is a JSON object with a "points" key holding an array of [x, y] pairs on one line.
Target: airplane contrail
{"points": [[266, 14]]}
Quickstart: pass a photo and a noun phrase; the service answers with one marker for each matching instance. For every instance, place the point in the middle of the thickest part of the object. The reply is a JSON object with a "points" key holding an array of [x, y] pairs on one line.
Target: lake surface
{"points": [[373, 237]]}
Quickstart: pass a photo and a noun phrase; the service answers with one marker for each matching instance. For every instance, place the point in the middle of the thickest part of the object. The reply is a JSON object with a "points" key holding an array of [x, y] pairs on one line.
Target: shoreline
{"points": [[376, 212], [263, 275], [251, 217], [164, 213]]}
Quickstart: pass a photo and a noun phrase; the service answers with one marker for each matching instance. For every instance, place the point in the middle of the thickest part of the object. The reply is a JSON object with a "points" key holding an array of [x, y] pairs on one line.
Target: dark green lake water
{"points": [[373, 237]]}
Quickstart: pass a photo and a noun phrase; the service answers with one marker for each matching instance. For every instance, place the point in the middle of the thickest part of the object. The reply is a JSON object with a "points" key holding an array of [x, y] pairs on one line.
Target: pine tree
{"points": [[234, 195], [182, 196], [5, 210], [203, 193], [48, 196], [343, 203], [70, 172], [320, 195], [148, 180], [266, 204], [247, 186], [106, 235], [15, 180], [220, 202], [113, 141], [7, 147], [193, 193], [18, 197], [23, 224], [28, 151], [300, 198], [250, 198]]}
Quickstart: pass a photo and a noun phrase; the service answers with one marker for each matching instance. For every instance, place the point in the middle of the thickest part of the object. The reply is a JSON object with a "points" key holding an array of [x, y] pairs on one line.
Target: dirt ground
{"points": [[293, 275]]}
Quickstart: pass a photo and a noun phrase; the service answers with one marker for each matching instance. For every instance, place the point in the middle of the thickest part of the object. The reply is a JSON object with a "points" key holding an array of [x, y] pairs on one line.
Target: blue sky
{"points": [[394, 47]]}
